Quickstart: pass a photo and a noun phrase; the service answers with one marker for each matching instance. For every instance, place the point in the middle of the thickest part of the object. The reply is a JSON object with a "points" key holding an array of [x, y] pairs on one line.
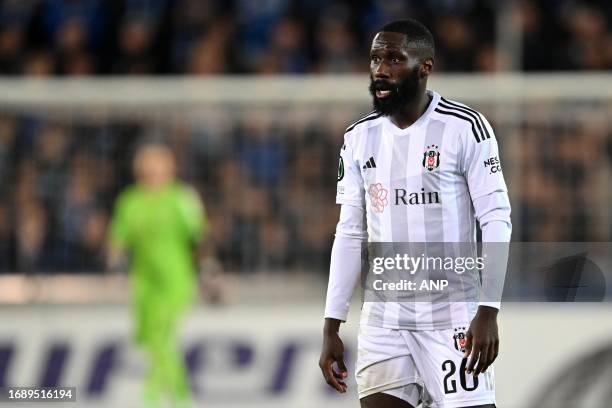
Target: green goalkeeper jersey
{"points": [[160, 229]]}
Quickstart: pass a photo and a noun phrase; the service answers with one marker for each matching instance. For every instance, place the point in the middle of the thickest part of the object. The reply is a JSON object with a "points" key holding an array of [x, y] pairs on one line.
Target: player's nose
{"points": [[381, 71]]}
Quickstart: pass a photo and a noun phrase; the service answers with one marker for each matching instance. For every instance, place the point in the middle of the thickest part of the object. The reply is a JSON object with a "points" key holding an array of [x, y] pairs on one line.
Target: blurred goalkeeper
{"points": [[159, 222]]}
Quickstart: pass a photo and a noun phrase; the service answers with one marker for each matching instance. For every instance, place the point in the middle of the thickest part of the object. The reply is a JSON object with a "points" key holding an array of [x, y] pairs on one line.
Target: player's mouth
{"points": [[383, 93], [382, 89]]}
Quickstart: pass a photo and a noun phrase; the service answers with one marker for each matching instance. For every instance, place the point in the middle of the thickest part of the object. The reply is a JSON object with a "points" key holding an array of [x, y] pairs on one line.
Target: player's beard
{"points": [[401, 94]]}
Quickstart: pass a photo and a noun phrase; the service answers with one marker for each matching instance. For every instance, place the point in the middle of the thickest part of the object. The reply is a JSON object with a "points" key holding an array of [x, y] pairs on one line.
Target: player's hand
{"points": [[482, 340], [333, 352]]}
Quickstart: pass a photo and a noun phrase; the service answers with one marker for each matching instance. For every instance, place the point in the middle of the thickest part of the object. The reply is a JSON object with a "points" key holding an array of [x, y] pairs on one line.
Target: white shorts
{"points": [[420, 366]]}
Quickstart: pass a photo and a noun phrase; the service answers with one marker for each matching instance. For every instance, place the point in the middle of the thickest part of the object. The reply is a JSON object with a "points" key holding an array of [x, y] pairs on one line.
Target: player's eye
{"points": [[395, 60], [375, 59]]}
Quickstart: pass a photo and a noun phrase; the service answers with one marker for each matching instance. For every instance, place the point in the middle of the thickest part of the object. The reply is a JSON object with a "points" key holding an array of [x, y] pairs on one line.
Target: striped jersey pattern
{"points": [[417, 185]]}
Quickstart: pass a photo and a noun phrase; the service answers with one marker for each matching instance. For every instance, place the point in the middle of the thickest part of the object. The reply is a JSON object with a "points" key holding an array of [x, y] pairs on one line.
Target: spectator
{"points": [[337, 49], [64, 37], [57, 180], [11, 48], [588, 37], [136, 43], [264, 183]]}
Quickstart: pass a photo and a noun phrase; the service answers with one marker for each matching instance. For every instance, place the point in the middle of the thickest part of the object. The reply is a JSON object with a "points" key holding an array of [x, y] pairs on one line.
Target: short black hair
{"points": [[416, 34]]}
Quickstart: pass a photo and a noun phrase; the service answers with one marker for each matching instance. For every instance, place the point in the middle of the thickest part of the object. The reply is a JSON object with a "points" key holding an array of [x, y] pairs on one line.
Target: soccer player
{"points": [[419, 168], [159, 222]]}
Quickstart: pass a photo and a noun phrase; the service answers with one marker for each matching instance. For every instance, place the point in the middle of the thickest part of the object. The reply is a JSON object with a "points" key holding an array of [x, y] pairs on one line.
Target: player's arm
{"points": [[492, 209], [345, 268], [195, 220], [118, 235], [482, 337]]}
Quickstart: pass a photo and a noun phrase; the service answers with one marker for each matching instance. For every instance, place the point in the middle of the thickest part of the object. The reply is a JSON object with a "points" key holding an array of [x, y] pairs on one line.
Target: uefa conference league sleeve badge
{"points": [[341, 169]]}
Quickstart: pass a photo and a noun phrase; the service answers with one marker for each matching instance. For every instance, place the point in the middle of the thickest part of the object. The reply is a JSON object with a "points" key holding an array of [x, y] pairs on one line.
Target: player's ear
{"points": [[426, 67]]}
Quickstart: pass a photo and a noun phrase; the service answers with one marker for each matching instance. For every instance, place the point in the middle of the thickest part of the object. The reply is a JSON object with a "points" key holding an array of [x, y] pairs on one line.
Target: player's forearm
{"points": [[345, 264], [331, 326], [493, 213], [344, 271], [495, 247]]}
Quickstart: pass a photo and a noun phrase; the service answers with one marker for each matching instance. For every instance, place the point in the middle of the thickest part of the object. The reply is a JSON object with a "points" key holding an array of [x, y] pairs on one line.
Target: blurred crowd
{"points": [[58, 182], [268, 182], [59, 177], [562, 192], [90, 37]]}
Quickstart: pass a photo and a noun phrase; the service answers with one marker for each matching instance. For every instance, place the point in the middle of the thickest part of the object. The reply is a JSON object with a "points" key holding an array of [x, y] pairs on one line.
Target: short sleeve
{"points": [[350, 183], [481, 162]]}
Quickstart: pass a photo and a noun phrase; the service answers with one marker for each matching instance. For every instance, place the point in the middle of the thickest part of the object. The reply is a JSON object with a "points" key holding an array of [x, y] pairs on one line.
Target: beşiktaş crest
{"points": [[431, 158], [460, 339]]}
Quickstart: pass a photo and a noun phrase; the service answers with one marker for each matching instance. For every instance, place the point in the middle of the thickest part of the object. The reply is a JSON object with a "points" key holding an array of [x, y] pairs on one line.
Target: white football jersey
{"points": [[417, 185]]}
